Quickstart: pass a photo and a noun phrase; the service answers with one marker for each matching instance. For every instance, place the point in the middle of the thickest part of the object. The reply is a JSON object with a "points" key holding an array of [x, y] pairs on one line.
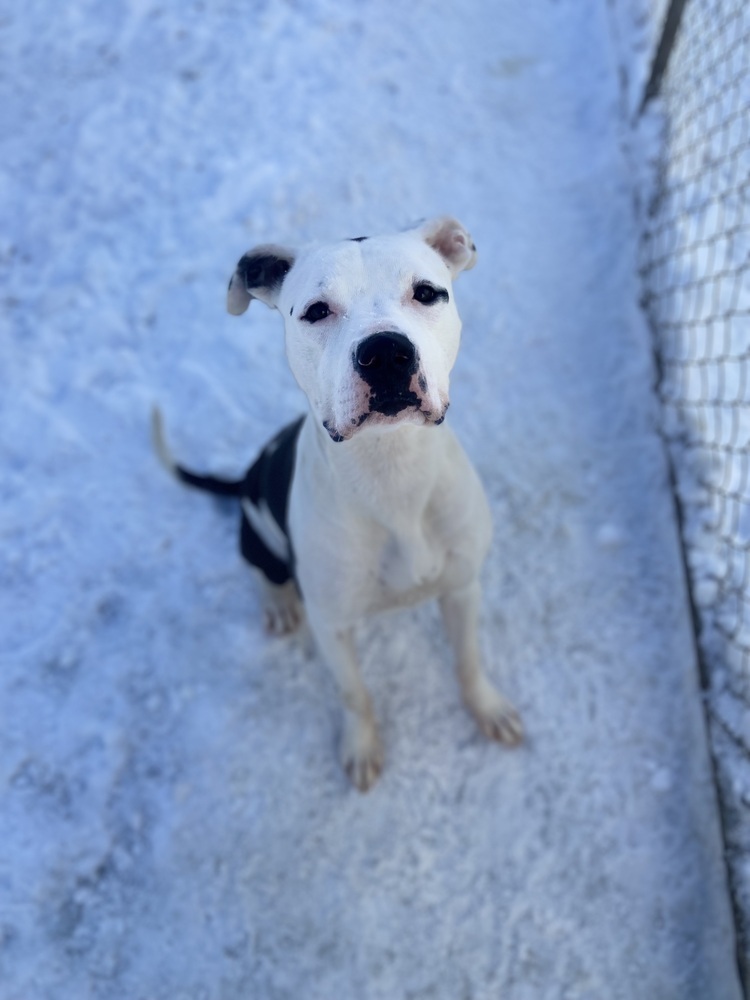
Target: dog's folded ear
{"points": [[259, 274], [451, 240]]}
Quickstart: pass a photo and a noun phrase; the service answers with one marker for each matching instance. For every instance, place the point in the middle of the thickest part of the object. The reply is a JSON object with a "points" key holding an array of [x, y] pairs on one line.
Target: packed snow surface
{"points": [[173, 819]]}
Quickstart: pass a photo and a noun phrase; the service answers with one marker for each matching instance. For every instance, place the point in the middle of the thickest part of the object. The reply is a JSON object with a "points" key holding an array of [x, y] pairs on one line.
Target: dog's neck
{"points": [[390, 475], [390, 470]]}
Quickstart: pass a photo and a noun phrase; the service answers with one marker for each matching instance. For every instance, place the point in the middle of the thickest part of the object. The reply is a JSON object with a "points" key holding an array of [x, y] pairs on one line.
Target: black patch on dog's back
{"points": [[266, 488], [269, 480]]}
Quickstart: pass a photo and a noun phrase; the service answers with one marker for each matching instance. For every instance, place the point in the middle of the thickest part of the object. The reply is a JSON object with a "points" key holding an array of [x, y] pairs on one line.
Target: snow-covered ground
{"points": [[173, 821]]}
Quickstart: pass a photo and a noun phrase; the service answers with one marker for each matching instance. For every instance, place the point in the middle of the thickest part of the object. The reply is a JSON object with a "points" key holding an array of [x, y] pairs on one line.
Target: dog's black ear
{"points": [[451, 240], [260, 274]]}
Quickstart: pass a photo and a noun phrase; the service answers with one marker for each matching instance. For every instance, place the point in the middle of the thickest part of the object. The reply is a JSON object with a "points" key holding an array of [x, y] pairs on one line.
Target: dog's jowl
{"points": [[368, 502]]}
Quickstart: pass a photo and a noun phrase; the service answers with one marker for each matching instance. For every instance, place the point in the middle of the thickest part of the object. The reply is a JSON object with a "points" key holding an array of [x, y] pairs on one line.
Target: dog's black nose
{"points": [[385, 357], [387, 362]]}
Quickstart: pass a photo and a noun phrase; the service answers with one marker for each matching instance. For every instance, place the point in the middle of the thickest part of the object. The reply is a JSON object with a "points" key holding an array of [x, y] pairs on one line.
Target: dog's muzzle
{"points": [[387, 363], [389, 387]]}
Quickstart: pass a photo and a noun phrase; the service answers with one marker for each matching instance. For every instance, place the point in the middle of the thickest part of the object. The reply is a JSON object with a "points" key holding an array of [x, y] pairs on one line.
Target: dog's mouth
{"points": [[391, 404], [391, 412], [387, 404]]}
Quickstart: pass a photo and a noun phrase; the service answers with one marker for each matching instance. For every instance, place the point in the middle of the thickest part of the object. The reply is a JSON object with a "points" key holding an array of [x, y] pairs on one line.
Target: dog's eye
{"points": [[427, 294], [316, 312]]}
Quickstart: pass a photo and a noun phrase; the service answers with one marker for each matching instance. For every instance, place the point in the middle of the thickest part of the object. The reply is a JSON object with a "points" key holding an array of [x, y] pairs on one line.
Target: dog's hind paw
{"points": [[282, 608], [281, 621]]}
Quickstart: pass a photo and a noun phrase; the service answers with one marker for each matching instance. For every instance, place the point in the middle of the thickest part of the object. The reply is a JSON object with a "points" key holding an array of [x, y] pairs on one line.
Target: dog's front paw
{"points": [[497, 718], [361, 752]]}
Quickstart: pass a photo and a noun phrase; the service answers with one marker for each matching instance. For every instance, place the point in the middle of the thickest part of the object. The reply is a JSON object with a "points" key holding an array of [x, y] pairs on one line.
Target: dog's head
{"points": [[372, 330]]}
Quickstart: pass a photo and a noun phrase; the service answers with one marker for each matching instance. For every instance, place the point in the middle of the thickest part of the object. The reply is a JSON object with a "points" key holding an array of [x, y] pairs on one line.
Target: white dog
{"points": [[368, 502]]}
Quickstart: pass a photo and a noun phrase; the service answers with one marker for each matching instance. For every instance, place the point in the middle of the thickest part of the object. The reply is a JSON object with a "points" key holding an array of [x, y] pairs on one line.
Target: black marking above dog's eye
{"points": [[316, 312], [428, 294], [264, 271]]}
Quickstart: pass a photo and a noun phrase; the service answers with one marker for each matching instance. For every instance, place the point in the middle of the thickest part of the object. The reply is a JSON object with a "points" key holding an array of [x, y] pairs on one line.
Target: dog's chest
{"points": [[406, 550], [397, 526], [408, 561], [401, 569]]}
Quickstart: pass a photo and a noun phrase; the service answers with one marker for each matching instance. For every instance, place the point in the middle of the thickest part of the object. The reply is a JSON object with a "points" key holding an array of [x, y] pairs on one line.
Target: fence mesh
{"points": [[696, 271]]}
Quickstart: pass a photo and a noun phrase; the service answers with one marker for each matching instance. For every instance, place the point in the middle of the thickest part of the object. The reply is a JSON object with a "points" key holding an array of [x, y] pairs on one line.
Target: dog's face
{"points": [[372, 330]]}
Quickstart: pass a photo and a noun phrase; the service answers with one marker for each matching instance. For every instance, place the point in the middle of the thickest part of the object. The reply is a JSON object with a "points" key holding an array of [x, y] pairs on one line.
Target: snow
{"points": [[173, 819]]}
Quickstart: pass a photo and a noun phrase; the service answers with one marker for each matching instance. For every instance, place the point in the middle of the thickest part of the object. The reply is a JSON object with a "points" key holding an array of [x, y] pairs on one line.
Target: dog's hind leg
{"points": [[497, 718]]}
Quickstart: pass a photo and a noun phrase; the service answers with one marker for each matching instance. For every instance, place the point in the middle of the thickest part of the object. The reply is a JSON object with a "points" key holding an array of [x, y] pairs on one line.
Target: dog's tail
{"points": [[223, 487]]}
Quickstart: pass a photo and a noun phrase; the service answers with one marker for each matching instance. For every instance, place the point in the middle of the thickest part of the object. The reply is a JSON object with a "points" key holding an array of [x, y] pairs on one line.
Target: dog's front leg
{"points": [[361, 752], [497, 718]]}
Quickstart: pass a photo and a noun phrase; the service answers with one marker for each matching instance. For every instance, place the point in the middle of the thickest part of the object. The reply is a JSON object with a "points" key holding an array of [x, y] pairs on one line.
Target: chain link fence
{"points": [[696, 274]]}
